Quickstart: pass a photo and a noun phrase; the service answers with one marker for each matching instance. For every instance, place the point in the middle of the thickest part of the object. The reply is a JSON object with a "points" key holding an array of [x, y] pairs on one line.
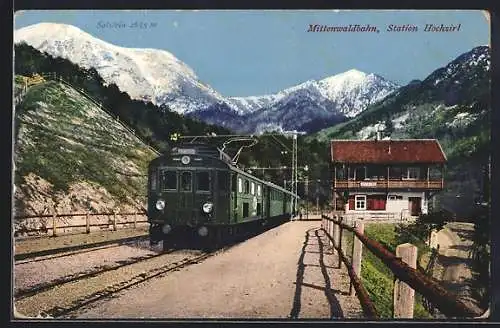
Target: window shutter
{"points": [[382, 203], [369, 203], [351, 203]]}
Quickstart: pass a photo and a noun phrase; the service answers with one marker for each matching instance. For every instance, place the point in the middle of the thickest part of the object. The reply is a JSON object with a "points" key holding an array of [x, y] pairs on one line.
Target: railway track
{"points": [[66, 294], [120, 286], [72, 250], [32, 290], [55, 298]]}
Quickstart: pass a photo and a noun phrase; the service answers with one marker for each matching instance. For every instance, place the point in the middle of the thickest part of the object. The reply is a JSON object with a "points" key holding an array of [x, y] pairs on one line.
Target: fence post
{"points": [[433, 239], [404, 295], [340, 243], [54, 223], [87, 221], [357, 253], [335, 233], [114, 221], [330, 232]]}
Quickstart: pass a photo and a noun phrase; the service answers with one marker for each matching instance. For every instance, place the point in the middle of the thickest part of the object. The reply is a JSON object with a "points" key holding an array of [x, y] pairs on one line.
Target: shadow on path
{"points": [[335, 308]]}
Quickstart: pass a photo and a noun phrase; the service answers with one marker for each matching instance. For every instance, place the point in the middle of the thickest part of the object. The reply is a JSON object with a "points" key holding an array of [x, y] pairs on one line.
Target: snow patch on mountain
{"points": [[159, 77], [147, 74]]}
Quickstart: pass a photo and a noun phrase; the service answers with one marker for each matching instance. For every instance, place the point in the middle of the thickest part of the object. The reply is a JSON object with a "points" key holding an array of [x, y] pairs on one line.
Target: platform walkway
{"points": [[286, 272]]}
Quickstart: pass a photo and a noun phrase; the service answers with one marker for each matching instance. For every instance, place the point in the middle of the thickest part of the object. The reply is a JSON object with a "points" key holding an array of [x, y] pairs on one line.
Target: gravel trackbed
{"points": [[286, 272]]}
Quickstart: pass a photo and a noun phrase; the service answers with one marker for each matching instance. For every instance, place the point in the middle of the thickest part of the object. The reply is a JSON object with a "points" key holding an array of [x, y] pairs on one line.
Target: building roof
{"points": [[387, 151]]}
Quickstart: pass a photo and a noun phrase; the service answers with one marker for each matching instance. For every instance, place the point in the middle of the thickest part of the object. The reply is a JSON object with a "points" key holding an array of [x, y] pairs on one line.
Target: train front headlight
{"points": [[208, 207], [160, 204]]}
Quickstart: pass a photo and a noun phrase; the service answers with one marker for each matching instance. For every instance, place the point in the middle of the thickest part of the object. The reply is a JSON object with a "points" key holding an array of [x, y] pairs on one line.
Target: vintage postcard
{"points": [[258, 164]]}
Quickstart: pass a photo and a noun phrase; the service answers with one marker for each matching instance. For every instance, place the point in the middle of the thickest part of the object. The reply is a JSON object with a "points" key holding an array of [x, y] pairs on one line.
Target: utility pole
{"points": [[294, 172], [306, 187]]}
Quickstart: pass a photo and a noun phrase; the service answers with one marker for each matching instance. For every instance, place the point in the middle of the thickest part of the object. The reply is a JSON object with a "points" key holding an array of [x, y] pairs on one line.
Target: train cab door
{"points": [[186, 196]]}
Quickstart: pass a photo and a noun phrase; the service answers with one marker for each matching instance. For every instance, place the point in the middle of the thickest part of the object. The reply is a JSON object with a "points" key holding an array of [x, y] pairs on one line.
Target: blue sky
{"points": [[244, 53]]}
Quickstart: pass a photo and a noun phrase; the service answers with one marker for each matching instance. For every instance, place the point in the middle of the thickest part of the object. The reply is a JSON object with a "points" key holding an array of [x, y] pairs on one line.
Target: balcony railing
{"points": [[385, 184]]}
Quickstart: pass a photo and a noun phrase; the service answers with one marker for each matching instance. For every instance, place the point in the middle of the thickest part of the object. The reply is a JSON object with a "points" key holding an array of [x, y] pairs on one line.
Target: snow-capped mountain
{"points": [[149, 74], [158, 76], [309, 106], [350, 92]]}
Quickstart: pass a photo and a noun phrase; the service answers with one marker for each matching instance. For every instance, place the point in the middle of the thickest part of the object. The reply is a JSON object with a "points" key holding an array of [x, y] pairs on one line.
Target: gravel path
{"points": [[31, 274], [453, 265], [286, 272]]}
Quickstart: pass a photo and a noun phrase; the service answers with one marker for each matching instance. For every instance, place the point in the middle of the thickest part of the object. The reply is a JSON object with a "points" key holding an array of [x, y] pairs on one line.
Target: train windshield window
{"points": [[253, 188], [168, 180], [240, 185], [258, 190], [247, 187], [186, 181], [203, 181]]}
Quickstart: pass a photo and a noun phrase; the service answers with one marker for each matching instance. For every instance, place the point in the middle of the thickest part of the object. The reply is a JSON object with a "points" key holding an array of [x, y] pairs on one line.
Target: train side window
{"points": [[186, 181], [203, 181], [253, 188], [240, 185], [247, 187], [168, 180], [259, 190]]}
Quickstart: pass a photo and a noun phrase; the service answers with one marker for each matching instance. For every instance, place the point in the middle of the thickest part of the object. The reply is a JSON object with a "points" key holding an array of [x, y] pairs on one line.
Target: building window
{"points": [[395, 173], [253, 188], [377, 172], [360, 173], [395, 197], [360, 203], [413, 173], [240, 185], [341, 173], [435, 173]]}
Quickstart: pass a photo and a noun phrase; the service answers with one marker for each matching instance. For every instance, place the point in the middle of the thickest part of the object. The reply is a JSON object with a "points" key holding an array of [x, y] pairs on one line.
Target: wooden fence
{"points": [[402, 264], [54, 224]]}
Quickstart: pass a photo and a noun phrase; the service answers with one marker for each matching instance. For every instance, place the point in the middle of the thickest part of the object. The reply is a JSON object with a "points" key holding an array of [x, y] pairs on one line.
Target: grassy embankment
{"points": [[376, 277]]}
